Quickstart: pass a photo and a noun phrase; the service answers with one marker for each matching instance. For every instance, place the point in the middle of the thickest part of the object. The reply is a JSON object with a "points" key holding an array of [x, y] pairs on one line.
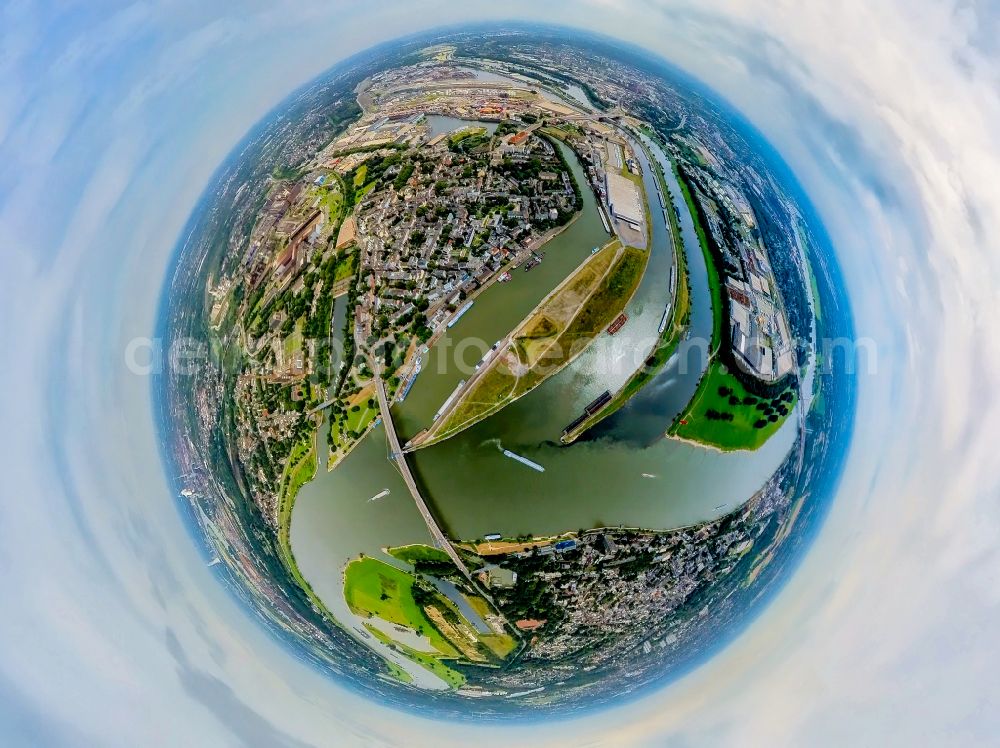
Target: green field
{"points": [[464, 134], [397, 673], [553, 131], [346, 267], [500, 645], [817, 307], [609, 299], [376, 589], [449, 675], [351, 422], [358, 420], [818, 404], [411, 554], [373, 588], [293, 343], [333, 200], [330, 197], [743, 431]]}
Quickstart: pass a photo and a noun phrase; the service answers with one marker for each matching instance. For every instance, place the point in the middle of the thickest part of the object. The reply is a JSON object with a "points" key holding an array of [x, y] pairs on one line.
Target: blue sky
{"points": [[112, 118]]}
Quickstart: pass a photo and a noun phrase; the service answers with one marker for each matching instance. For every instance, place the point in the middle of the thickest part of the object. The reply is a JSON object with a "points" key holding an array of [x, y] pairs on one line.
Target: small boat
{"points": [[504, 276], [381, 494]]}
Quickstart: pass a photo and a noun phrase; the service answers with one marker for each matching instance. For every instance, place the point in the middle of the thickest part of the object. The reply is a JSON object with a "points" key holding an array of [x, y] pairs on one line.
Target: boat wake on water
{"points": [[518, 458]]}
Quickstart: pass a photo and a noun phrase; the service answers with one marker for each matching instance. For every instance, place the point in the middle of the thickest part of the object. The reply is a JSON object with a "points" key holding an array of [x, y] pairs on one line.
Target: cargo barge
{"points": [[595, 405], [523, 460], [458, 315], [447, 402], [663, 320], [599, 402], [417, 366], [618, 324], [535, 261]]}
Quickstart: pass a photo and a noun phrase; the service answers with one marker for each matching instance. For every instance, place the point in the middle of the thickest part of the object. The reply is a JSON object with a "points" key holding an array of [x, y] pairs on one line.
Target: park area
{"points": [[723, 414]]}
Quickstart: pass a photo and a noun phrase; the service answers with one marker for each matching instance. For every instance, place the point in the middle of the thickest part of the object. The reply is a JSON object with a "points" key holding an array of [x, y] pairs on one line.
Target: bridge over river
{"points": [[397, 455]]}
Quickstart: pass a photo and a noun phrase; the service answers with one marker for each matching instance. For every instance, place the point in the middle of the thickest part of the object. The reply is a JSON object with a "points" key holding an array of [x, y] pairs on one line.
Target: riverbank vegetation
{"points": [[300, 467], [724, 413], [714, 279]]}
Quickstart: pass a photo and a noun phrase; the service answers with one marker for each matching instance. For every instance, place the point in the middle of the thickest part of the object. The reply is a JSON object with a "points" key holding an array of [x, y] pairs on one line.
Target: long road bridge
{"points": [[397, 456]]}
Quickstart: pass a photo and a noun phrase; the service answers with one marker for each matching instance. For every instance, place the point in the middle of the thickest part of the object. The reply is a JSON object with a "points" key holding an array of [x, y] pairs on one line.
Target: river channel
{"points": [[627, 475], [336, 520]]}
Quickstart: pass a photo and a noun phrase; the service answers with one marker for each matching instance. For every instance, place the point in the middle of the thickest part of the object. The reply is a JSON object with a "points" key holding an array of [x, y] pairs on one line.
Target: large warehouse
{"points": [[624, 199]]}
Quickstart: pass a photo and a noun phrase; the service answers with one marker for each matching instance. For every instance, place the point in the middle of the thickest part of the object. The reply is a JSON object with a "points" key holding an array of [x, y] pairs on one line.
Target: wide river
{"points": [[625, 474]]}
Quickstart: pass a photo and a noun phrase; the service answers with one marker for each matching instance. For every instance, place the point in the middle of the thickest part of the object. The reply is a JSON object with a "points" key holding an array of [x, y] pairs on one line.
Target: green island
{"points": [[419, 553]]}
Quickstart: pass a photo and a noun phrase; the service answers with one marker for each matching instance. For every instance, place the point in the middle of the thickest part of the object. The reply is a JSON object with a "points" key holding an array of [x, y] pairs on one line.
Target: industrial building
{"points": [[760, 337], [624, 199]]}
